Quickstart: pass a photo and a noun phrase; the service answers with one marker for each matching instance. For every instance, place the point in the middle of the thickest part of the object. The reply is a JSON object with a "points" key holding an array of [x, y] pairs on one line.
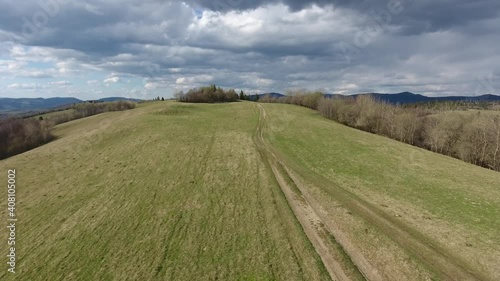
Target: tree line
{"points": [[209, 94], [83, 110], [455, 105], [18, 135], [471, 137]]}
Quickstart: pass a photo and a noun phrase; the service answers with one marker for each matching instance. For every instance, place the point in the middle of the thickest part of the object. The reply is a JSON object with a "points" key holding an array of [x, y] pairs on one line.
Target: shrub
{"points": [[19, 135], [210, 94], [83, 110]]}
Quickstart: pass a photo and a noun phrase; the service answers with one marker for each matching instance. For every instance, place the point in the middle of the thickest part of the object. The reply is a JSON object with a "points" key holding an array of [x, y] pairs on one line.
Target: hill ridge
{"points": [[403, 97], [32, 104]]}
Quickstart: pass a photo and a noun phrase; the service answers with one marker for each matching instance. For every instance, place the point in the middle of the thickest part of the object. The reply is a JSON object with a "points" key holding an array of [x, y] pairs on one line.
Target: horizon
{"points": [[91, 50], [250, 94]]}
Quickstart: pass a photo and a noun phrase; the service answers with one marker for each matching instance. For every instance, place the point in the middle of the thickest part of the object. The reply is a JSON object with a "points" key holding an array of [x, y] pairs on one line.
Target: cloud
{"points": [[35, 74], [110, 80], [154, 85], [26, 86], [435, 47], [60, 83], [193, 80], [420, 16]]}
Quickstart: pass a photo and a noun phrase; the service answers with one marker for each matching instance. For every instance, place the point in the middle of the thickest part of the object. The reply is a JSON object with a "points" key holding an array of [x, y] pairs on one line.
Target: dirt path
{"points": [[310, 215], [306, 215]]}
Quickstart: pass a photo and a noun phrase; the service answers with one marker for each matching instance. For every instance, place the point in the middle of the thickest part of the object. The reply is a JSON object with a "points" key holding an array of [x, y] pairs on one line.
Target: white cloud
{"points": [[262, 82], [26, 86], [156, 84], [60, 83], [110, 80], [193, 80]]}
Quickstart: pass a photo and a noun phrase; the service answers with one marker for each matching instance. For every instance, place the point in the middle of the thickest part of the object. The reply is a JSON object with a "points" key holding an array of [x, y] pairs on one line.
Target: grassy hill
{"points": [[171, 191], [157, 193], [441, 202]]}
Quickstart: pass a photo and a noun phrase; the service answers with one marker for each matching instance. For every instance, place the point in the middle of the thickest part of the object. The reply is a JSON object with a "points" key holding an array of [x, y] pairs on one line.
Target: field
{"points": [[406, 209], [156, 193], [246, 191]]}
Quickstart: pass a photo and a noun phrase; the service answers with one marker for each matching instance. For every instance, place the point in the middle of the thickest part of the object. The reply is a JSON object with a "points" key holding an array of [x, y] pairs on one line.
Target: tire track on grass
{"points": [[430, 254], [166, 249], [305, 214]]}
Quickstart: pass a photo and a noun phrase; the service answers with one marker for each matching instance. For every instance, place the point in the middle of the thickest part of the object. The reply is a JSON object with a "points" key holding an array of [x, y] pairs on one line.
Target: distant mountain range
{"points": [[274, 95], [403, 98], [26, 104], [10, 105], [407, 97]]}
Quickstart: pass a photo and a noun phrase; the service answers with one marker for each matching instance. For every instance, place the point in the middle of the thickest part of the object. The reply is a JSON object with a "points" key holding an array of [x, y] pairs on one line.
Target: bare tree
{"points": [[496, 144]]}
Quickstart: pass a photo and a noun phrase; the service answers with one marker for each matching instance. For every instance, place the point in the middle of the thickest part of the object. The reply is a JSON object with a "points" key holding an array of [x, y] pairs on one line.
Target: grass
{"points": [[451, 203], [55, 113], [171, 191], [178, 109], [144, 195]]}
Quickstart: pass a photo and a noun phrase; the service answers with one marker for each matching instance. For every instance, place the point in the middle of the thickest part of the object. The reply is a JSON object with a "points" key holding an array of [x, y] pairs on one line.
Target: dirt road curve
{"points": [[315, 223]]}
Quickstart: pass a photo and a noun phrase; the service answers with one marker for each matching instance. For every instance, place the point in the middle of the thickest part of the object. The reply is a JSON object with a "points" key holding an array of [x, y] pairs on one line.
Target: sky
{"points": [[91, 49]]}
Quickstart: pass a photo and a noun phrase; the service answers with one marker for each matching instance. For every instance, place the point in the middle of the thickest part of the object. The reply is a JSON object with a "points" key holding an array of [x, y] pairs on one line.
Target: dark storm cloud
{"points": [[106, 26], [93, 26], [419, 16], [444, 47]]}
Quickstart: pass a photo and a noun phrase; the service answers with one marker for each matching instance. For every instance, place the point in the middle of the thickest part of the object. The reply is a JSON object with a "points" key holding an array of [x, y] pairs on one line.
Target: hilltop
{"points": [[178, 191]]}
